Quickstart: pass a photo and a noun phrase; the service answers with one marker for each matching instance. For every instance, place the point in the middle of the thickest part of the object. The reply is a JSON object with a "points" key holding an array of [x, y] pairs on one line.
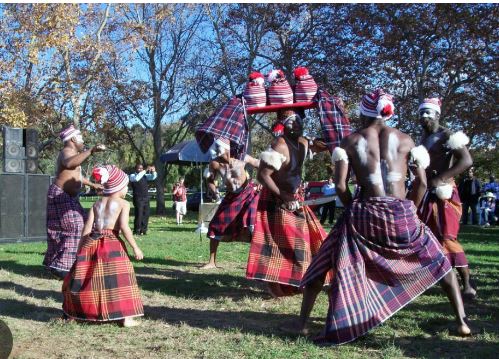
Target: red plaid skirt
{"points": [[382, 257], [443, 216], [283, 242], [65, 220], [236, 212], [101, 285]]}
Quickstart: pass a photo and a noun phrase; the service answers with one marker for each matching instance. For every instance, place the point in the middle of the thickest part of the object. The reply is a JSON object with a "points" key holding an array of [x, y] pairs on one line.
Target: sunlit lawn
{"points": [[191, 313]]}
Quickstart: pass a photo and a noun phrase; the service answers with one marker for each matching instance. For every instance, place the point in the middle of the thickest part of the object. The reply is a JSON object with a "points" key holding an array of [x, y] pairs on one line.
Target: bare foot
{"points": [[463, 330], [209, 266], [295, 328], [65, 318], [129, 323], [469, 293]]}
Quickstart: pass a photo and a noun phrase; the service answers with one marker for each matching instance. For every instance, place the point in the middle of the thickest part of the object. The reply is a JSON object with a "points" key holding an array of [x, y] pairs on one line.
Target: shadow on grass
{"points": [[437, 316], [30, 292], [41, 254], [22, 310], [165, 262], [436, 348], [245, 321], [37, 271], [198, 285], [173, 228]]}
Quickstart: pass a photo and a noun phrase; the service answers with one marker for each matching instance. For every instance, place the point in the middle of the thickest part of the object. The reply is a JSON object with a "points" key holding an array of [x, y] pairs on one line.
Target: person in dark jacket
{"points": [[140, 188], [469, 192]]}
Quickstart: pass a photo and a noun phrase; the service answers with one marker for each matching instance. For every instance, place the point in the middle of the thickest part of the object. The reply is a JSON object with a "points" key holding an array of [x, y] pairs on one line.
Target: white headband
{"points": [[429, 105], [71, 135]]}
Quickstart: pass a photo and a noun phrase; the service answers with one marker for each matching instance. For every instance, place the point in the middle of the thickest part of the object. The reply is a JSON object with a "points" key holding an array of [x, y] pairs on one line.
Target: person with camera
{"points": [[139, 183], [180, 200]]}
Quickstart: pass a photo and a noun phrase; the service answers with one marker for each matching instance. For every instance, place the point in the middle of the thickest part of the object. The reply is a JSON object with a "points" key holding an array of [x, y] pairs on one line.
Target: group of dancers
{"points": [[388, 247]]}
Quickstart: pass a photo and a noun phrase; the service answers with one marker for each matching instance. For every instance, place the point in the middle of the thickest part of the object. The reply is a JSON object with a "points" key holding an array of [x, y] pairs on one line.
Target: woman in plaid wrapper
{"points": [[101, 286]]}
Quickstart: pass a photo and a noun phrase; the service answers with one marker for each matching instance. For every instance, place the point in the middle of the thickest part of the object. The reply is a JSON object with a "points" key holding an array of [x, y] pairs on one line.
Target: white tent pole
{"points": [[201, 180]]}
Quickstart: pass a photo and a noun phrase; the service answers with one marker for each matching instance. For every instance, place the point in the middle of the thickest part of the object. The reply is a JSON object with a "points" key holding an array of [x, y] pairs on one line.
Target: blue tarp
{"points": [[185, 153]]}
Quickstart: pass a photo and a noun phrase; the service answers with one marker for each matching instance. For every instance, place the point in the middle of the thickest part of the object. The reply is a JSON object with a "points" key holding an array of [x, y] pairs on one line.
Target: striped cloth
{"points": [[442, 216], [383, 257], [236, 212], [101, 285], [227, 122], [305, 89], [280, 92], [283, 242], [255, 95], [65, 220], [335, 124]]}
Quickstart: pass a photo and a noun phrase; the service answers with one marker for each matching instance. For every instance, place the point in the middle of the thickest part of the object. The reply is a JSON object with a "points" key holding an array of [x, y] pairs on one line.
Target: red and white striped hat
{"points": [[432, 103], [280, 92], [254, 93], [305, 87], [377, 104], [68, 133], [113, 179]]}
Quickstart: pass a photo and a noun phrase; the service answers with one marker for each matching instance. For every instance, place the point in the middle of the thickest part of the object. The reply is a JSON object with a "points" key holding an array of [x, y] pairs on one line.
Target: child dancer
{"points": [[101, 285]]}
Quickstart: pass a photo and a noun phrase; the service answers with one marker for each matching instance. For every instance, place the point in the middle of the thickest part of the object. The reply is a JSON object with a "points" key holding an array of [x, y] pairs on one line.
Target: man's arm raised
{"points": [[71, 161]]}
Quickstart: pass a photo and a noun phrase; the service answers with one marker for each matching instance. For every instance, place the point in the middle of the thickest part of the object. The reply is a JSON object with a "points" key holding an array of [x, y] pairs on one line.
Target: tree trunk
{"points": [[160, 187]]}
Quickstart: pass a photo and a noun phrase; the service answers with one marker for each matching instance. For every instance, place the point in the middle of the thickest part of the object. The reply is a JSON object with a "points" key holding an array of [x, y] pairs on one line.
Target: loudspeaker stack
{"points": [[20, 152]]}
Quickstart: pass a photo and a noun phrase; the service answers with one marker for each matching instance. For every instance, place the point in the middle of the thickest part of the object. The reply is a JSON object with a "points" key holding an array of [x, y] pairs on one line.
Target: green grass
{"points": [[191, 313]]}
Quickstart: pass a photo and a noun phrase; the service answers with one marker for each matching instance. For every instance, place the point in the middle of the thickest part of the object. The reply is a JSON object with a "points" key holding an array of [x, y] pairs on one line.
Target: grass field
{"points": [[191, 313]]}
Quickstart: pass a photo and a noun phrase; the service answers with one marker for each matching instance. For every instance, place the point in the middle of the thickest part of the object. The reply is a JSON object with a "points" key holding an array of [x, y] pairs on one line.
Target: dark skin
{"points": [[284, 183], [68, 172], [363, 160], [234, 177], [445, 164]]}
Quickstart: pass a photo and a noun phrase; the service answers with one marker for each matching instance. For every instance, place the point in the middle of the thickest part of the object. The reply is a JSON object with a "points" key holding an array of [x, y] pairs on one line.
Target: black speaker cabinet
{"points": [[13, 153], [12, 211], [31, 148], [23, 207]]}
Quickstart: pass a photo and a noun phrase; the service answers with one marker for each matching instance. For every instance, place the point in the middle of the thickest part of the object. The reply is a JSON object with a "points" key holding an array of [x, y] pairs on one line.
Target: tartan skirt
{"points": [[382, 257], [101, 285], [283, 242], [442, 217], [236, 212], [65, 220]]}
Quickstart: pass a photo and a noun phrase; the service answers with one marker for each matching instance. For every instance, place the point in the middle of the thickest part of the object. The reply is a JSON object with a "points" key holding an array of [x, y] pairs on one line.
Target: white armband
{"points": [[419, 157], [457, 140], [444, 191], [207, 173], [339, 154], [273, 158]]}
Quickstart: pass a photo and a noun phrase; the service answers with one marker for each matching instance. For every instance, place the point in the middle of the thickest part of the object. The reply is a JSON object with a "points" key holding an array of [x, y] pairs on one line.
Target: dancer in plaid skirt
{"points": [[381, 255], [441, 208], [101, 285], [235, 216], [65, 215], [286, 235]]}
